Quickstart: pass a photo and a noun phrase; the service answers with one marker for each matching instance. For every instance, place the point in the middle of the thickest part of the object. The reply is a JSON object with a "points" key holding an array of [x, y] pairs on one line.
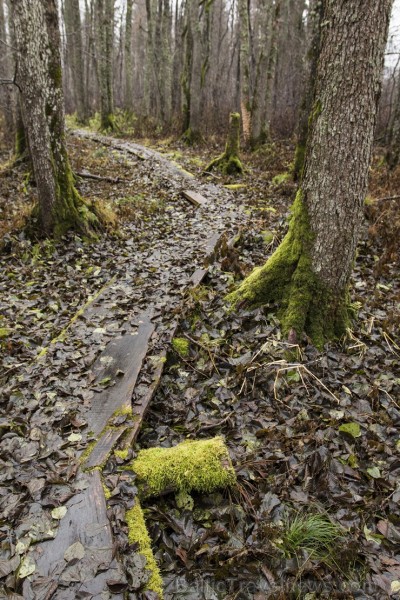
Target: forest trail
{"points": [[147, 293], [70, 308]]}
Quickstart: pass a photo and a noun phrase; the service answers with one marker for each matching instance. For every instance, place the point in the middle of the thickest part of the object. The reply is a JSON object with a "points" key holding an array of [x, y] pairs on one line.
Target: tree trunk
{"points": [[40, 82], [317, 18], [244, 66], [229, 162], [105, 40], [393, 153], [73, 31], [128, 92], [309, 272], [6, 72]]}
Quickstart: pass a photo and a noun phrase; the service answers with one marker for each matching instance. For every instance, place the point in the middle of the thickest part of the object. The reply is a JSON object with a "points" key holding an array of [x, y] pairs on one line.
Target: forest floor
{"points": [[316, 433]]}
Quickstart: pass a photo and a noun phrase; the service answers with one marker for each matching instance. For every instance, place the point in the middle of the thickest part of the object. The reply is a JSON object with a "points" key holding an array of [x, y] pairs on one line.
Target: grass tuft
{"points": [[312, 533]]}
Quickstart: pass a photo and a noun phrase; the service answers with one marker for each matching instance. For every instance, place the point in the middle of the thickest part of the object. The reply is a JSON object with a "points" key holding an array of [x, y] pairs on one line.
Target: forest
{"points": [[199, 299]]}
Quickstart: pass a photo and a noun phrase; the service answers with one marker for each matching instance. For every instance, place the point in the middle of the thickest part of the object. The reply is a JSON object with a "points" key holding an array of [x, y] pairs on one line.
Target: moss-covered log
{"points": [[138, 534], [308, 275], [201, 466], [229, 161]]}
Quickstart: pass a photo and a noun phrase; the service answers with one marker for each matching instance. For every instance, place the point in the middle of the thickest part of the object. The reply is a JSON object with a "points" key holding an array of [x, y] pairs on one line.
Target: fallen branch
{"points": [[86, 175]]}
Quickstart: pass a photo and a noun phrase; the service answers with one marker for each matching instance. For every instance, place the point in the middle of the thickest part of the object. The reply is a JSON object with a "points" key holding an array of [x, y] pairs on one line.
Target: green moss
{"points": [[267, 236], [107, 493], [20, 141], [287, 278], [192, 465], [281, 178], [299, 156], [87, 452], [122, 454], [235, 186], [4, 332], [124, 410], [229, 162], [181, 345], [138, 534]]}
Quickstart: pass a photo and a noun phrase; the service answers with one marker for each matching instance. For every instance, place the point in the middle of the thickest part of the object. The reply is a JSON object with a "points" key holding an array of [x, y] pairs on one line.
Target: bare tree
{"points": [[7, 99], [105, 52], [40, 82], [73, 30]]}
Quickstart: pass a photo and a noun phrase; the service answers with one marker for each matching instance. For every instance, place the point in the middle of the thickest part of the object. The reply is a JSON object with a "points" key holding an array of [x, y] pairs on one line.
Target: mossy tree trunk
{"points": [[40, 82], [308, 275], [229, 162]]}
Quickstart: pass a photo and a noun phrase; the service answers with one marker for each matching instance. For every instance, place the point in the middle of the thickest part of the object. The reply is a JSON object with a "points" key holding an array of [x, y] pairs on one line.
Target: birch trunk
{"points": [[309, 272]]}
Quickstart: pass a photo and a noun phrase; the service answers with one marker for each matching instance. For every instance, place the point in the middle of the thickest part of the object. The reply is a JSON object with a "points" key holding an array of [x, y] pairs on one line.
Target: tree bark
{"points": [[393, 153], [128, 92], [105, 41], [309, 272], [40, 82], [316, 18], [73, 29], [6, 72]]}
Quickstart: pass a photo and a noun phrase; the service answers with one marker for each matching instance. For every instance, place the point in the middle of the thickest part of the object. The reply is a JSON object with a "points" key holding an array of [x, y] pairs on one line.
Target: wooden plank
{"points": [[194, 197], [198, 277], [85, 522], [118, 367], [103, 447], [141, 405], [212, 246]]}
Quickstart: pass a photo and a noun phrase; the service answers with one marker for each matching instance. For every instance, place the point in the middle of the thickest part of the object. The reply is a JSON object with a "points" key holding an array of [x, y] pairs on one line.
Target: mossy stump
{"points": [[229, 162]]}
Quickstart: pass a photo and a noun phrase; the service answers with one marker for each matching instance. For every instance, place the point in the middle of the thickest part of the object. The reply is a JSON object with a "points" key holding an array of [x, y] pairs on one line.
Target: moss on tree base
{"points": [[228, 165], [287, 278], [229, 162]]}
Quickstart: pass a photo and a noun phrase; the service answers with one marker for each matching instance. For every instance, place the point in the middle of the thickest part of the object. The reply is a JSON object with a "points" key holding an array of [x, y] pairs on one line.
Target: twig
{"points": [[87, 175], [387, 198], [204, 348], [217, 424]]}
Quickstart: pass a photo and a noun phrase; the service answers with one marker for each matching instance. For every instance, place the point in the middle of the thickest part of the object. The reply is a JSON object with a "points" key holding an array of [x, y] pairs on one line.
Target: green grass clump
{"points": [[312, 533], [202, 465]]}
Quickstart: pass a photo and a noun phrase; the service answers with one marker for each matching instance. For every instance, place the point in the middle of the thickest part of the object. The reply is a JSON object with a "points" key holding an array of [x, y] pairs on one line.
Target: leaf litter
{"points": [[309, 433]]}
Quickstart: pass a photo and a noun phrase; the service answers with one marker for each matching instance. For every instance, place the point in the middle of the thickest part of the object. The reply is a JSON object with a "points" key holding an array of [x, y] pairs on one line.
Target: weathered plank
{"points": [[194, 198], [118, 367], [87, 571], [198, 277], [211, 248], [103, 447]]}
